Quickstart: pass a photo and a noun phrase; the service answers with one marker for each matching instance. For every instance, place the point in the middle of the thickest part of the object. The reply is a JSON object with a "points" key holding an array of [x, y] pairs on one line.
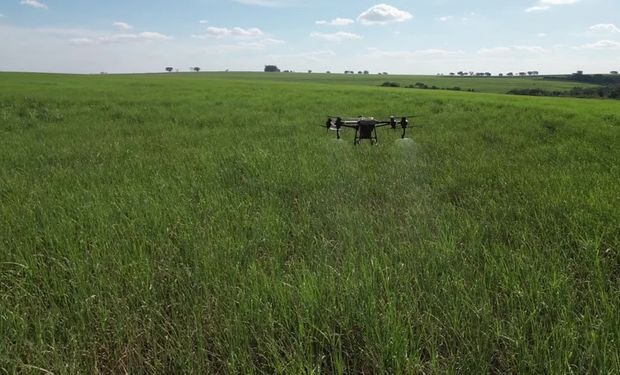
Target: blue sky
{"points": [[417, 37]]}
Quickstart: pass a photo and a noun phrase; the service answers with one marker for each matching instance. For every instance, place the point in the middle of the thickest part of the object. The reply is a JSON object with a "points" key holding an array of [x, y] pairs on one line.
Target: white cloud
{"points": [[605, 27], [601, 45], [203, 22], [337, 22], [336, 37], [542, 35], [235, 32], [120, 38], [122, 26], [2, 15], [383, 14], [33, 3], [548, 4]]}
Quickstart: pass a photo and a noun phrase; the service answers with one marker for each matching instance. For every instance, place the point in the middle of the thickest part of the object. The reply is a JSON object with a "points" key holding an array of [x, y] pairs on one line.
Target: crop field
{"points": [[205, 223]]}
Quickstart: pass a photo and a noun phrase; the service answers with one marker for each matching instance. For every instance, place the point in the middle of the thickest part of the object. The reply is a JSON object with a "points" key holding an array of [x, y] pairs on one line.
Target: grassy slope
{"points": [[205, 224]]}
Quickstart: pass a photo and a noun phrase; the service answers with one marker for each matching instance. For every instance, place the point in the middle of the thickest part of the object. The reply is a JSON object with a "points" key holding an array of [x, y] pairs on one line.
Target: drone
{"points": [[366, 127]]}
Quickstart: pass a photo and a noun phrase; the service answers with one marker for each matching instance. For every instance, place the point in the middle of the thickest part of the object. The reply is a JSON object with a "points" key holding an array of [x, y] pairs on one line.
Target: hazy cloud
{"points": [[34, 4], [537, 8], [122, 26], [403, 54], [547, 4], [238, 39], [337, 22], [235, 32], [120, 38], [336, 37], [605, 27], [445, 18], [601, 45], [511, 50], [268, 3]]}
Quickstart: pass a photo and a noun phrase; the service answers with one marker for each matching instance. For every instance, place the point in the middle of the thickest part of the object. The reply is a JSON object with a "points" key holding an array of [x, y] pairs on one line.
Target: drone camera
{"points": [[404, 122]]}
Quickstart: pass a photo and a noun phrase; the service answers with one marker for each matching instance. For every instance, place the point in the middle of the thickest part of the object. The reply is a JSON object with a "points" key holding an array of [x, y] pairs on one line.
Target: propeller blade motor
{"points": [[329, 124], [339, 123]]}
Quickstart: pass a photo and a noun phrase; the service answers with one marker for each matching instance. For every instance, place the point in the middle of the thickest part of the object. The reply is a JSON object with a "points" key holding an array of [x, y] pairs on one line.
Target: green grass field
{"points": [[489, 85], [205, 223]]}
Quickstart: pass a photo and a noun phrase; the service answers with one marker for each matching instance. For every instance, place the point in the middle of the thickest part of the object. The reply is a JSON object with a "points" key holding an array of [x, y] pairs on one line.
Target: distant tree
{"points": [[460, 73], [309, 71], [501, 74], [579, 73], [385, 73], [366, 72], [359, 72], [271, 69], [614, 72], [169, 69], [522, 74], [452, 74], [510, 74], [196, 69], [328, 72], [487, 74]]}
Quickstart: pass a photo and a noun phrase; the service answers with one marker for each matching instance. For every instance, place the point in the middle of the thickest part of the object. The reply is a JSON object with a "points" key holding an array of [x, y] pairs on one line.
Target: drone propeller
{"points": [[393, 122], [404, 123]]}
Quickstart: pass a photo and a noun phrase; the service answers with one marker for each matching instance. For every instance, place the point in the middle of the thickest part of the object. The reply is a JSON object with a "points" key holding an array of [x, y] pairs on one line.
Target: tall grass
{"points": [[207, 225]]}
